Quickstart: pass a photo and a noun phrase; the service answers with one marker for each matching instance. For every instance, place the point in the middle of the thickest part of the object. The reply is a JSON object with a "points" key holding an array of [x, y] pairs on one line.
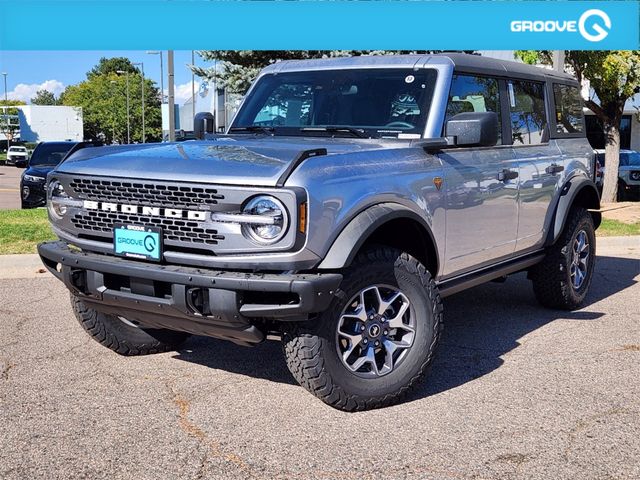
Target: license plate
{"points": [[136, 241]]}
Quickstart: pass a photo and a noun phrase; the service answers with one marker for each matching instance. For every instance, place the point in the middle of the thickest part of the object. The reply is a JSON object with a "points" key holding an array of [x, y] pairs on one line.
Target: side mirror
{"points": [[474, 128], [21, 163], [203, 123]]}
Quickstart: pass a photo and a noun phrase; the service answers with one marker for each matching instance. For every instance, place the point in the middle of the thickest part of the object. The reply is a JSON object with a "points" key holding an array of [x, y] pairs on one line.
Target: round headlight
{"points": [[57, 195], [271, 219]]}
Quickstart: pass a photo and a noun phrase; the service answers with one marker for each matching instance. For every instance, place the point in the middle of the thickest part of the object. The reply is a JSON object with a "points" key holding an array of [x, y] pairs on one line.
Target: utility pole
{"points": [[558, 60], [128, 114], [159, 52], [142, 70], [193, 92], [172, 112], [6, 109]]}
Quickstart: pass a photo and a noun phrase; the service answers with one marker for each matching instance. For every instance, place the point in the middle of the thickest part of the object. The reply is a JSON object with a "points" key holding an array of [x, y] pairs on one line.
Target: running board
{"points": [[469, 280]]}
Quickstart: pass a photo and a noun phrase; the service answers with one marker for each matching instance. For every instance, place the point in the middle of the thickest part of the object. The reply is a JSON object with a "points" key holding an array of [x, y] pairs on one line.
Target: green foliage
{"points": [[238, 68], [22, 230], [615, 228], [108, 66], [45, 97], [103, 98]]}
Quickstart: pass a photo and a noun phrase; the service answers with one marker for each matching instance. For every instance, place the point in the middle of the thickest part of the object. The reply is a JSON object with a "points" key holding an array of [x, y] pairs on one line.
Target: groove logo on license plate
{"points": [[136, 241]]}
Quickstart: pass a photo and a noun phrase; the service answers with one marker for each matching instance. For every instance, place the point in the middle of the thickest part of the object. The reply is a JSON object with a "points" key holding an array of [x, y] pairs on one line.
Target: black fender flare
{"points": [[576, 188], [348, 243]]}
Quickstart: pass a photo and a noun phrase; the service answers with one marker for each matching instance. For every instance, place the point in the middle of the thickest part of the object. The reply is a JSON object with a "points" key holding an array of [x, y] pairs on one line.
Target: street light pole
{"points": [[128, 115], [172, 117], [142, 70], [159, 52], [6, 106]]}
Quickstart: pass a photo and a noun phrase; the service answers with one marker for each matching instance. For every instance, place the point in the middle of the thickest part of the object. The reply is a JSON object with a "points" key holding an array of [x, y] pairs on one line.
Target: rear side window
{"points": [[474, 94], [569, 115], [528, 114]]}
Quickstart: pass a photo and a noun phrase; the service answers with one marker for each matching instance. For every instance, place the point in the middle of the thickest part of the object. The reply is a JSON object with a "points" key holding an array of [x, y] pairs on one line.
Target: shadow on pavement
{"points": [[481, 325]]}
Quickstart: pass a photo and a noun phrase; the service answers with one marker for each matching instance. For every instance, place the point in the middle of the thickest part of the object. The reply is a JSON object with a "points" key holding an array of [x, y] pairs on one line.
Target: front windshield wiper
{"points": [[356, 132], [253, 128]]}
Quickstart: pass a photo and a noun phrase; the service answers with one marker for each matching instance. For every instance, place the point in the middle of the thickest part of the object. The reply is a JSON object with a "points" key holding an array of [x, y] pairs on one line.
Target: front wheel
{"points": [[563, 278], [377, 338], [123, 336]]}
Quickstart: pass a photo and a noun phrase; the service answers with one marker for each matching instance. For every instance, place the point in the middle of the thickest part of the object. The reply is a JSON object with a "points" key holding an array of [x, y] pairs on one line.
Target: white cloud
{"points": [[26, 92], [183, 92]]}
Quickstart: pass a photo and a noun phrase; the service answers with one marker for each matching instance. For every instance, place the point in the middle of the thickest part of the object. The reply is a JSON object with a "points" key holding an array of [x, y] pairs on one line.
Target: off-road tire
{"points": [[113, 333], [551, 278], [310, 347]]}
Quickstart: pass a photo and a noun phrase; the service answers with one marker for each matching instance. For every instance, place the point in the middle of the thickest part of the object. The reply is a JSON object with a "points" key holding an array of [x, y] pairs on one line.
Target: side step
{"points": [[473, 279]]}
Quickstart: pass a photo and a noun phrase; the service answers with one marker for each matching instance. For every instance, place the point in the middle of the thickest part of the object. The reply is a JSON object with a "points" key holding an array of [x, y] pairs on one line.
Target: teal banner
{"points": [[315, 24]]}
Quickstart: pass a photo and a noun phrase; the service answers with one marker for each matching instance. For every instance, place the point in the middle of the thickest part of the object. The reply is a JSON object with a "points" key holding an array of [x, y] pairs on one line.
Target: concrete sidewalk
{"points": [[30, 266]]}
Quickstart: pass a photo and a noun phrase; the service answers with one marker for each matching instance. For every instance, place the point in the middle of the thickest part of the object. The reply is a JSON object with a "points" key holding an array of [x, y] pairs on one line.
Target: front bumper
{"points": [[222, 304], [36, 196]]}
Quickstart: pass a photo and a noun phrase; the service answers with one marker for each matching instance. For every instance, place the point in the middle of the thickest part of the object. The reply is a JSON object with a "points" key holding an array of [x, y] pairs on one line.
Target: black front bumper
{"points": [[216, 303], [37, 196]]}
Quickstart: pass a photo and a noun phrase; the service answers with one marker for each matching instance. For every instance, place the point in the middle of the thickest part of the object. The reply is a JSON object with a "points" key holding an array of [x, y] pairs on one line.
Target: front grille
{"points": [[173, 229], [145, 193]]}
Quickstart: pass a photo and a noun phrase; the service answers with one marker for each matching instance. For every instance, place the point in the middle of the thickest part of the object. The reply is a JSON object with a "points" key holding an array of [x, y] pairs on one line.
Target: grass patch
{"points": [[614, 228], [22, 230]]}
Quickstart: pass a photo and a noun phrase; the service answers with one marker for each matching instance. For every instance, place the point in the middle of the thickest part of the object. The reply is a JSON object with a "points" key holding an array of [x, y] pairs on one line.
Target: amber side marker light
{"points": [[302, 218]]}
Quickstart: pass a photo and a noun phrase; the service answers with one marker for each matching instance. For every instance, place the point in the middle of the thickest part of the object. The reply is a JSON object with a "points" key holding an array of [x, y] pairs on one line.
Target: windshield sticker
{"points": [[409, 79]]}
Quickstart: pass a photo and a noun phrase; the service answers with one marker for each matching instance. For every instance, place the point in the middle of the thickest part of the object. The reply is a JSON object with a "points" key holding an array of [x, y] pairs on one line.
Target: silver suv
{"points": [[345, 200]]}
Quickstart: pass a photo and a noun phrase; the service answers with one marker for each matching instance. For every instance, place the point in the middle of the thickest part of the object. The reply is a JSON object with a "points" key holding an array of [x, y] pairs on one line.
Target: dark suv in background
{"points": [[45, 158]]}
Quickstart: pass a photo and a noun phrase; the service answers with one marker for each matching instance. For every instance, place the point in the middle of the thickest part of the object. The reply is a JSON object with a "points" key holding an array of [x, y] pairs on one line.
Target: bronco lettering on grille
{"points": [[142, 210]]}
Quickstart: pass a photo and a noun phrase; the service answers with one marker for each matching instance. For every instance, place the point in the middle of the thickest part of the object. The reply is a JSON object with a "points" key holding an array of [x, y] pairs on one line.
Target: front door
{"points": [[481, 186]]}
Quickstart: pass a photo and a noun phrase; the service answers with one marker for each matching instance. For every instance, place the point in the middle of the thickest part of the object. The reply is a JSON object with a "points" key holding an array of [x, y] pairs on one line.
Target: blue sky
{"points": [[29, 70]]}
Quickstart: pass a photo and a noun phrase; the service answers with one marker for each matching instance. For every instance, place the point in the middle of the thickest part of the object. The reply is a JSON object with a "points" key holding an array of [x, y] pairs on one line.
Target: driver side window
{"points": [[474, 94]]}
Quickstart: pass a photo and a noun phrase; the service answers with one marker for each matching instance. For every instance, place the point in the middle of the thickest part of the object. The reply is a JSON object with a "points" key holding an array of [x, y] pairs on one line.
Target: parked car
{"points": [[17, 155], [628, 174], [370, 188], [45, 158]]}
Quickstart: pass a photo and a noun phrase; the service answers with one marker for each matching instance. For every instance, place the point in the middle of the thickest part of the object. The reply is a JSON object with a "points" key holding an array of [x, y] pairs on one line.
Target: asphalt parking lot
{"points": [[10, 187], [516, 392]]}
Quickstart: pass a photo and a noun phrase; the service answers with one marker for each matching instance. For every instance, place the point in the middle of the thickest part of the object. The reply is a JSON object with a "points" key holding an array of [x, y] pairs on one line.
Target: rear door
{"points": [[540, 161], [482, 209]]}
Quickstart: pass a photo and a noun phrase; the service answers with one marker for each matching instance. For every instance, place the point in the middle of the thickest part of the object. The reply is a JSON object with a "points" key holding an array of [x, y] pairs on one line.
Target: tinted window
{"points": [[528, 115], [630, 159], [378, 102], [473, 94], [50, 154], [569, 115]]}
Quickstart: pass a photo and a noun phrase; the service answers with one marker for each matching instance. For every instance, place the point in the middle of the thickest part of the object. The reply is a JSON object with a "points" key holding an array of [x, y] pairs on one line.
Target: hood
{"points": [[233, 160]]}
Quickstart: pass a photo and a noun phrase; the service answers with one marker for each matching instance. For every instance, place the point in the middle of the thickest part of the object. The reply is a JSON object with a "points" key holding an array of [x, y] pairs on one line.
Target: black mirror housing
{"points": [[474, 129], [203, 123]]}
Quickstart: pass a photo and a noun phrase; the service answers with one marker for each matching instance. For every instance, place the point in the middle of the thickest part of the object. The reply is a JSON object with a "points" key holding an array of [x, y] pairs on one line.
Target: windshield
{"points": [[49, 154], [357, 102], [631, 159], [17, 149]]}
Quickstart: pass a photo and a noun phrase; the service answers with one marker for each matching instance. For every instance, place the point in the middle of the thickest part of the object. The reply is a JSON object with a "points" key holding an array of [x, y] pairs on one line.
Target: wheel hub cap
{"points": [[579, 259], [375, 331]]}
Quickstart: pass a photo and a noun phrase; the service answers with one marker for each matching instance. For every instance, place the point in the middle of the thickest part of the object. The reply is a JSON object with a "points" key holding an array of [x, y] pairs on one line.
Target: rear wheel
{"points": [[122, 336], [376, 340], [563, 278]]}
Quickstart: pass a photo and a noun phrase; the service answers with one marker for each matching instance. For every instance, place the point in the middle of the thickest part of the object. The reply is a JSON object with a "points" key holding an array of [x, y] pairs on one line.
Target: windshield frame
{"points": [[430, 104]]}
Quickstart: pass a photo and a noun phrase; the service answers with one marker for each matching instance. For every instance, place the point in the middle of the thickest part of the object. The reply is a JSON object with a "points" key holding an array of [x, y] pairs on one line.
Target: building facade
{"points": [[48, 123]]}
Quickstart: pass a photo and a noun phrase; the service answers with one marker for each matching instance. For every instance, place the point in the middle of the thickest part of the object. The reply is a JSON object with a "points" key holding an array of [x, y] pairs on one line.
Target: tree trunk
{"points": [[612, 161]]}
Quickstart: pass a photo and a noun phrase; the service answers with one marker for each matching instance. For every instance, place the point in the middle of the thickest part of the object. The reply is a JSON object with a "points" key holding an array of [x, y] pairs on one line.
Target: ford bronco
{"points": [[347, 197]]}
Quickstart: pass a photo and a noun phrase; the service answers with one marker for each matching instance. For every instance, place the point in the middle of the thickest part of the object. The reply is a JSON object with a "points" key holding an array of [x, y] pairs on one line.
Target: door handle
{"points": [[553, 169], [506, 175]]}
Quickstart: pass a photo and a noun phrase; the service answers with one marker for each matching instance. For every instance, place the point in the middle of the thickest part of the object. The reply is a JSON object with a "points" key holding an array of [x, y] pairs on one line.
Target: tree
{"points": [[8, 125], [241, 67], [614, 77], [45, 97], [112, 65], [103, 98]]}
